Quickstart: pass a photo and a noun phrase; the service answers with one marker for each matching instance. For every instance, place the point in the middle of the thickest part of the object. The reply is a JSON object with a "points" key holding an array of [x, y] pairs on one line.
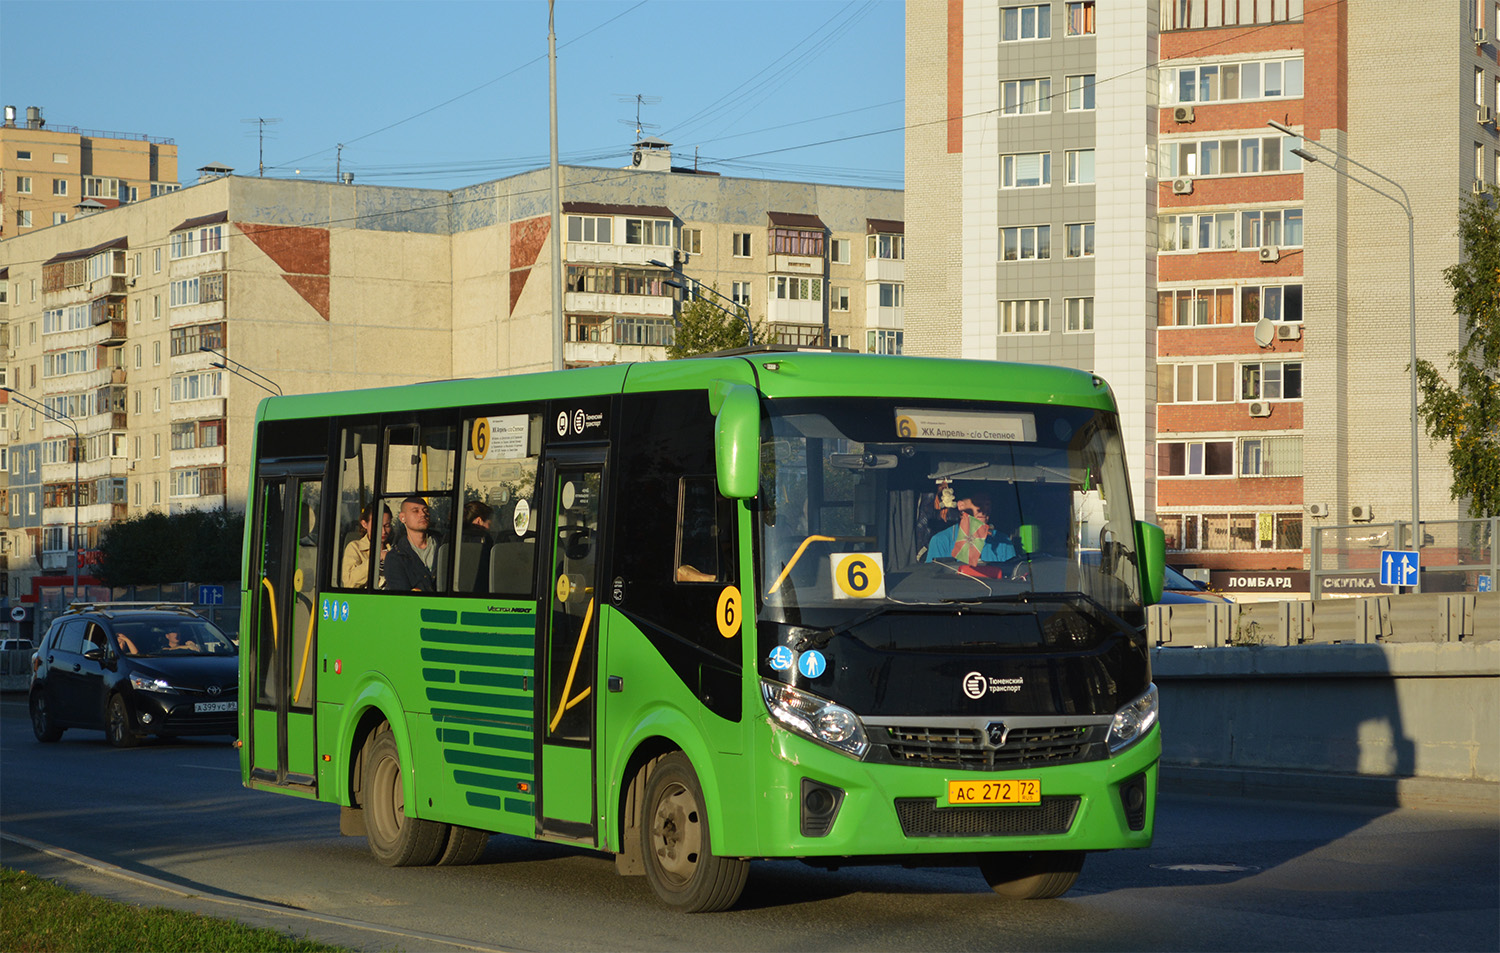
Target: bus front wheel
{"points": [[396, 839], [1035, 875], [680, 864]]}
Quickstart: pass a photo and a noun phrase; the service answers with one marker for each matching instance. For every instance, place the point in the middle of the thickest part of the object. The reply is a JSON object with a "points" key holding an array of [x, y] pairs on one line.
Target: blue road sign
{"points": [[1484, 582], [210, 595], [1398, 567]]}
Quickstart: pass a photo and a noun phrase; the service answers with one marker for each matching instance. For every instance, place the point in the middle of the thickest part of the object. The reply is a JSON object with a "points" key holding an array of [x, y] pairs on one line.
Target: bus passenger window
{"points": [[701, 544], [419, 459], [497, 539], [356, 495]]}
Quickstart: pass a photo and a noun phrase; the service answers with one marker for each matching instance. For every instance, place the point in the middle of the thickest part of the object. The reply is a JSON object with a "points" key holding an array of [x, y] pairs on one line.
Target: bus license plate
{"points": [[1009, 791], [216, 706]]}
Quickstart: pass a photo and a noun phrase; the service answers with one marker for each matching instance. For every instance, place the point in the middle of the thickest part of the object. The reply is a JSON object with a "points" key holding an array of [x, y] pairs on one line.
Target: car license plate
{"points": [[1008, 791], [216, 706]]}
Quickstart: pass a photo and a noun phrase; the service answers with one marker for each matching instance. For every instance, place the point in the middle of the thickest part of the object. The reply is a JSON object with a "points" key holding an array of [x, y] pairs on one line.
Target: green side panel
{"points": [[567, 775], [301, 746], [264, 755], [331, 787]]}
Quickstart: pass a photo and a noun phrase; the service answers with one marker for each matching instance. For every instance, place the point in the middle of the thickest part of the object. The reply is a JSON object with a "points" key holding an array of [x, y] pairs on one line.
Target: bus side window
{"points": [[420, 458], [356, 493], [701, 513], [497, 539]]}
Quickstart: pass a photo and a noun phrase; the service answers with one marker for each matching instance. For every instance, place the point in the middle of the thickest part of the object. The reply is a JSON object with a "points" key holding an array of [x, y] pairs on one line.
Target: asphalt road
{"points": [[169, 824]]}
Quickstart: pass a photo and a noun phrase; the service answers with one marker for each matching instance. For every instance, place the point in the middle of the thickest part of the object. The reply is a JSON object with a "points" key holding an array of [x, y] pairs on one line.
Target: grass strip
{"points": [[39, 916]]}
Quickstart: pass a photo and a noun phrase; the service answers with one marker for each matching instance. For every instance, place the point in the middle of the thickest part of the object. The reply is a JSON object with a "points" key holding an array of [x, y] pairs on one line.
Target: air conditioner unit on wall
{"points": [[1478, 187], [1182, 114], [1270, 253], [1288, 332], [1317, 510], [1484, 115], [1360, 513], [1260, 408], [1182, 186], [1479, 36]]}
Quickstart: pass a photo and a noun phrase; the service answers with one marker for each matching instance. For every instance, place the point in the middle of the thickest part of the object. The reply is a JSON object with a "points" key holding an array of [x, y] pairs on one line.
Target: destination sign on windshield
{"points": [[951, 425]]}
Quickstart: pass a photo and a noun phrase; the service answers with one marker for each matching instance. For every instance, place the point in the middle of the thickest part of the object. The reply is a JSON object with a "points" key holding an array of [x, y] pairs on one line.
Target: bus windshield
{"points": [[904, 505]]}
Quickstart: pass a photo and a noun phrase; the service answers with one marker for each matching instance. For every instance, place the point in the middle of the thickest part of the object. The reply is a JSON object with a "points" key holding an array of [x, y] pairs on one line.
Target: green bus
{"points": [[769, 604]]}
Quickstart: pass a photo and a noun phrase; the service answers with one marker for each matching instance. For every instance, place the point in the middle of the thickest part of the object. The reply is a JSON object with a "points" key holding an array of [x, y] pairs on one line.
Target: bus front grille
{"points": [[969, 749], [921, 817]]}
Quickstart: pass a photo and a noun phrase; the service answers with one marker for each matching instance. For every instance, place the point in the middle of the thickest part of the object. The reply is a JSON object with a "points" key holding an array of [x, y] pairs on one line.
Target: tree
{"points": [[1467, 414], [152, 549], [704, 327]]}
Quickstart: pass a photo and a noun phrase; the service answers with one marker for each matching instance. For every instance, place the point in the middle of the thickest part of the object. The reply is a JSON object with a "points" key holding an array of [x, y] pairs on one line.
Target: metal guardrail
{"points": [[1415, 617]]}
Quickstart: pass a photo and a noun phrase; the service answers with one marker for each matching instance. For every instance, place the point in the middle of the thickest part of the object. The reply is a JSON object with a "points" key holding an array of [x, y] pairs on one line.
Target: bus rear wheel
{"points": [[1035, 875], [680, 864], [465, 845], [396, 839]]}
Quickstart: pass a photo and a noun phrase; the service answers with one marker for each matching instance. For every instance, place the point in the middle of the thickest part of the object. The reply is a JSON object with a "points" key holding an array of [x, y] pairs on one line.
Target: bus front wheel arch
{"points": [[1032, 875], [675, 845]]}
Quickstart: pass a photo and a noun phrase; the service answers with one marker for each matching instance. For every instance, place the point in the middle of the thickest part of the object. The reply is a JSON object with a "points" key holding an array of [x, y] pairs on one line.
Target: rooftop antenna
{"points": [[639, 101], [263, 123]]}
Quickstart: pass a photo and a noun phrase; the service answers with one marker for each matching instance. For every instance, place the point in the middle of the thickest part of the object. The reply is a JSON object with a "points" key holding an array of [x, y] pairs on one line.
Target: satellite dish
{"points": [[635, 159], [1265, 332]]}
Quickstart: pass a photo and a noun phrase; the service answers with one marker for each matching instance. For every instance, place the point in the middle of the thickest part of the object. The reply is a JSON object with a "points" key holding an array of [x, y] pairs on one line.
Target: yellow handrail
{"points": [[563, 703], [312, 618], [796, 556], [271, 591]]}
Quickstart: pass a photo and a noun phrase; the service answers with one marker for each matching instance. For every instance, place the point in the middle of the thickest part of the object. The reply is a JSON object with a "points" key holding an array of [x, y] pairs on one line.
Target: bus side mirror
{"points": [[737, 443], [1151, 558]]}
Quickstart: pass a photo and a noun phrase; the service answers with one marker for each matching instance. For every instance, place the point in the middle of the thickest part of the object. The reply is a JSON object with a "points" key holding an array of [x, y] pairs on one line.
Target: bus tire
{"points": [[396, 839], [1035, 875], [680, 866], [465, 846]]}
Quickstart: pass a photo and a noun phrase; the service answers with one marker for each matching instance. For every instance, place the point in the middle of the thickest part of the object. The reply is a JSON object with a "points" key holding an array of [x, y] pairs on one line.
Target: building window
{"points": [[617, 279], [156, 307], [1080, 313], [1195, 383], [1233, 82], [648, 231], [890, 247], [1279, 227], [839, 251], [212, 288], [1249, 156], [188, 340], [891, 294], [1271, 380], [156, 353], [156, 259], [785, 288], [838, 298], [1275, 302], [195, 385], [137, 355], [741, 244], [156, 400], [796, 241], [59, 186], [1023, 97], [1194, 307], [23, 184], [59, 218], [23, 218], [1081, 167], [1026, 23], [1231, 532], [1027, 170], [1081, 18], [23, 155], [184, 292], [1203, 14], [739, 293], [201, 241], [690, 240], [1195, 458], [883, 342], [1024, 317], [1026, 243], [1080, 92], [1279, 456], [1081, 240]]}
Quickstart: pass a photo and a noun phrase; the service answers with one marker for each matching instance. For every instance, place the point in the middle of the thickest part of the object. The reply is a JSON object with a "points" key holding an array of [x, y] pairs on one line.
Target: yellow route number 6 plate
{"points": [[1008, 791]]}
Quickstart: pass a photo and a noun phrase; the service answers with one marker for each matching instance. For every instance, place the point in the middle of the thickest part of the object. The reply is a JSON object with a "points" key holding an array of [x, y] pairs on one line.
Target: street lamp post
{"points": [[740, 311], [62, 418], [1411, 279]]}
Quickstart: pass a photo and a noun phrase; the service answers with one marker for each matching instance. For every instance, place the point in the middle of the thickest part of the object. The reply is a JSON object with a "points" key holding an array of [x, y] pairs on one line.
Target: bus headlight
{"points": [[1133, 721], [815, 718]]}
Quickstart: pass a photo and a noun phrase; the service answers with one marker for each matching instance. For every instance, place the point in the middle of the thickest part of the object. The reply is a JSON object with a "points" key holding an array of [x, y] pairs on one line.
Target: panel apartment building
{"points": [[1101, 182], [319, 286]]}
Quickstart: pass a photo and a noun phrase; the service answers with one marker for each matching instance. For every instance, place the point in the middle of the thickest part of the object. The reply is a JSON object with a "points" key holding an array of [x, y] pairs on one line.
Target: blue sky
{"points": [[443, 94]]}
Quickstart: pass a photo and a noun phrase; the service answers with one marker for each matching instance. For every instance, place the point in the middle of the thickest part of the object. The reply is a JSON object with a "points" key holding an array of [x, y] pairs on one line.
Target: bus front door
{"points": [[568, 680], [282, 745]]}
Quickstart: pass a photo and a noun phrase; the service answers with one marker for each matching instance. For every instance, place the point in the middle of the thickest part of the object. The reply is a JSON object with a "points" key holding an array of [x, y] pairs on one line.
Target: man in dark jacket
{"points": [[414, 558]]}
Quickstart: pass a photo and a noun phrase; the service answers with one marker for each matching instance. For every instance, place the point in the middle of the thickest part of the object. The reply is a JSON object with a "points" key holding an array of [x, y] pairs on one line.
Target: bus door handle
{"points": [[616, 683]]}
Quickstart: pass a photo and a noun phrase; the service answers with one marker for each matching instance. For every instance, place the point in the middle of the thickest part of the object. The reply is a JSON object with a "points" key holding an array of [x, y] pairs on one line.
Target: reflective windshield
{"points": [[171, 637], [886, 504]]}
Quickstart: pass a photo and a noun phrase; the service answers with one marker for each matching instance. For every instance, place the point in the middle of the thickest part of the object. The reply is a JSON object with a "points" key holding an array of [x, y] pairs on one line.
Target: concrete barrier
{"points": [[1419, 617], [15, 670]]}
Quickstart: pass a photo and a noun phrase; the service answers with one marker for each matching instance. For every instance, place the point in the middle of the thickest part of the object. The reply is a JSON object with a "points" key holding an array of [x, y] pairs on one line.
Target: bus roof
{"points": [[774, 373]]}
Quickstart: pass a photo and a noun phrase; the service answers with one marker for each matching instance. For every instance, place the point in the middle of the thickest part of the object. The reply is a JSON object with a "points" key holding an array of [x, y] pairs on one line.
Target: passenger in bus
{"points": [[475, 543], [971, 540], [356, 571], [411, 563]]}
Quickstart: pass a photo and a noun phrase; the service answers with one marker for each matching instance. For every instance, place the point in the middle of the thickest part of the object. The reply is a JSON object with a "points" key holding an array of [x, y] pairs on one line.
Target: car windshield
{"points": [[170, 636], [886, 504]]}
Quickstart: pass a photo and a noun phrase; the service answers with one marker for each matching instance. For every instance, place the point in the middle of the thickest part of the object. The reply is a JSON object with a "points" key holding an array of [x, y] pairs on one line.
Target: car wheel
{"points": [[396, 839], [119, 728], [1039, 875], [465, 846], [680, 864], [42, 723]]}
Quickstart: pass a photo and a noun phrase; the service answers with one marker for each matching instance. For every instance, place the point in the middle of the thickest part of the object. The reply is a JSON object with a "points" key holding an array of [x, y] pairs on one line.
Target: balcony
{"points": [[204, 408], [885, 269], [597, 303], [797, 264], [609, 253], [786, 311], [198, 457], [113, 286]]}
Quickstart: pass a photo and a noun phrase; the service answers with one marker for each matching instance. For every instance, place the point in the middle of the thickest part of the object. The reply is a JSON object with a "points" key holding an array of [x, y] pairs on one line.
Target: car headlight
{"points": [[815, 718], [144, 683], [1133, 721]]}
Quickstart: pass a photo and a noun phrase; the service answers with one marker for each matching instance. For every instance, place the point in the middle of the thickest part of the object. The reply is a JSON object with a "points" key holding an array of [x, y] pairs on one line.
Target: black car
{"points": [[134, 670]]}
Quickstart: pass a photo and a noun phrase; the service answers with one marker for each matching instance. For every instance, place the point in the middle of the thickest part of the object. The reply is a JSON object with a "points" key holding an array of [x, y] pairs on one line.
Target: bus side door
{"points": [[569, 678], [282, 739]]}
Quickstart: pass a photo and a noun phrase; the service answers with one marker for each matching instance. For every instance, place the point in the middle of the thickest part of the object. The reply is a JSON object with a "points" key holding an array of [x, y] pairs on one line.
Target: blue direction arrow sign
{"points": [[210, 595], [1398, 567]]}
